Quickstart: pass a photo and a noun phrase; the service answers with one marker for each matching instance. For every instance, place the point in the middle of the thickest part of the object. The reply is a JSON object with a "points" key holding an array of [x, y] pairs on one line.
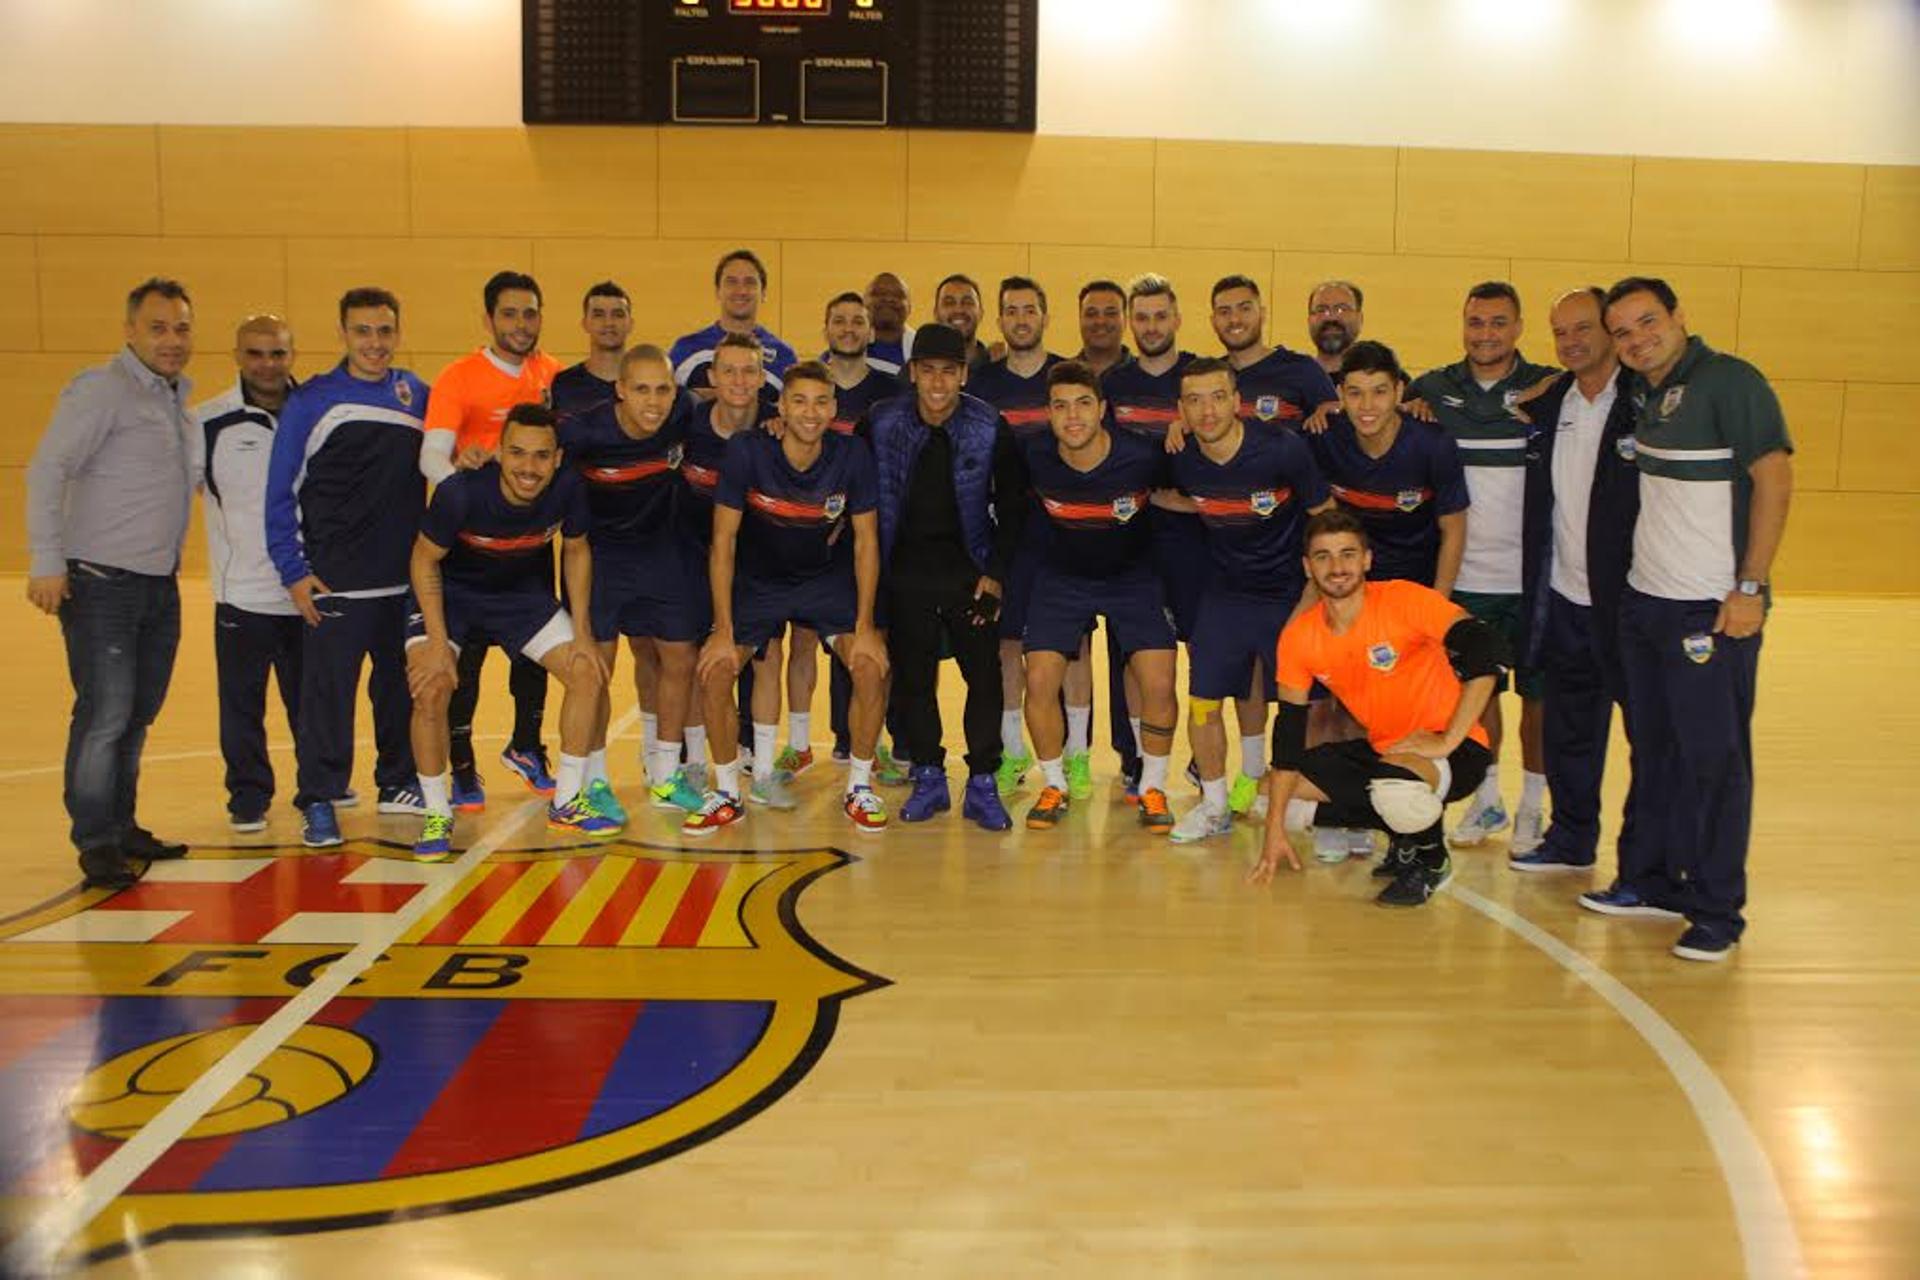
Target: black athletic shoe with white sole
{"points": [[1415, 884]]}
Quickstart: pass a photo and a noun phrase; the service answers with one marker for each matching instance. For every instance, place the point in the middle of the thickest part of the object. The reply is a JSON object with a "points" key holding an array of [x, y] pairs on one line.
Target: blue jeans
{"points": [[122, 630]]}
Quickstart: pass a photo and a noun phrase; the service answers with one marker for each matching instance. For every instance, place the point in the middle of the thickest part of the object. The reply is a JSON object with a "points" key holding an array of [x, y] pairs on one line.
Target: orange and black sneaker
{"points": [[1047, 810], [1155, 816]]}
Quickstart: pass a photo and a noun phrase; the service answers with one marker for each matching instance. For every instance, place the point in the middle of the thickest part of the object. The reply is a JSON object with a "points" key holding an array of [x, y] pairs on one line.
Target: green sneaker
{"points": [[1080, 775], [889, 772], [793, 761], [1243, 793], [600, 795], [1013, 770], [678, 792], [436, 839]]}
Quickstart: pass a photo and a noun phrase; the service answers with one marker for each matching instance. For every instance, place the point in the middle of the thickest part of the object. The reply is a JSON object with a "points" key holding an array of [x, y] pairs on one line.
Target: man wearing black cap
{"points": [[945, 464]]}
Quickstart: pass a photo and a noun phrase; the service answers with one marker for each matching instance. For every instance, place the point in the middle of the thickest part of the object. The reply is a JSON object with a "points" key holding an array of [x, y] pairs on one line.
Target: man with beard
{"points": [[889, 304], [957, 304], [740, 286], [1415, 671], [1103, 310], [606, 317], [1333, 321], [470, 402]]}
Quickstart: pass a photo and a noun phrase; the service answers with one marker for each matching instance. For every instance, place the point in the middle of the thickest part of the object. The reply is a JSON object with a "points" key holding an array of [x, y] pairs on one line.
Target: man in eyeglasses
{"points": [[1333, 322]]}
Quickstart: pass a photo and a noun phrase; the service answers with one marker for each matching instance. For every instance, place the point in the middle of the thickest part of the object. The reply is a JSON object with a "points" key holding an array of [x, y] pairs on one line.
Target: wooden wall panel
{"points": [[79, 180], [30, 386], [84, 282], [1413, 304], [20, 286], [1513, 203], [1880, 445], [438, 283], [239, 181], [1813, 410], [996, 187], [1847, 543], [796, 184], [1746, 213], [670, 282], [1890, 220], [1858, 326], [1710, 295], [1273, 196], [551, 181]]}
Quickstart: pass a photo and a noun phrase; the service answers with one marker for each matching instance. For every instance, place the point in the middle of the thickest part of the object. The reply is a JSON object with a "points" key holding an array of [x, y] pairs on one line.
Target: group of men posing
{"points": [[1372, 552]]}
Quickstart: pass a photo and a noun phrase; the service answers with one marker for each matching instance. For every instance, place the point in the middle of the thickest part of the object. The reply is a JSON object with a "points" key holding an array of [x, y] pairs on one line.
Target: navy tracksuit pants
{"points": [[1690, 696], [1581, 662], [248, 648], [351, 631]]}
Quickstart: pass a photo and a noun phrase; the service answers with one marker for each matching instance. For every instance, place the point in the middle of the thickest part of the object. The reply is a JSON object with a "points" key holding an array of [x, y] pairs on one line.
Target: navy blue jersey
{"points": [[1254, 507], [1021, 401], [889, 356], [692, 355], [702, 462], [795, 525], [1282, 386], [1141, 402], [631, 484], [1099, 520], [850, 404], [577, 389], [1399, 496], [495, 545]]}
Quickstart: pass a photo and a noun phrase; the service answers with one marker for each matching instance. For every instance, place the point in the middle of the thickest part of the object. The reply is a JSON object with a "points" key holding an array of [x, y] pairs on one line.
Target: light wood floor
{"points": [[1100, 1055]]}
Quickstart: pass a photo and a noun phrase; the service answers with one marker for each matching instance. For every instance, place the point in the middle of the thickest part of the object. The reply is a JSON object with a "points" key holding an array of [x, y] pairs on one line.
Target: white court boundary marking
{"points": [[1767, 1237], [36, 1250]]}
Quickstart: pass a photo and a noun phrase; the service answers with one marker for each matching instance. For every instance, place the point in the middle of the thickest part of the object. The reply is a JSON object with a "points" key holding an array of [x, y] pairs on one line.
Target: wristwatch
{"points": [[1749, 586]]}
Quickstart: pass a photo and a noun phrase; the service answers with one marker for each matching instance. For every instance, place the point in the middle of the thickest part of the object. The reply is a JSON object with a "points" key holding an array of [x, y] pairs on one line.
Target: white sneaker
{"points": [[1359, 842], [772, 791], [1529, 829], [1200, 822], [1330, 844], [1481, 821]]}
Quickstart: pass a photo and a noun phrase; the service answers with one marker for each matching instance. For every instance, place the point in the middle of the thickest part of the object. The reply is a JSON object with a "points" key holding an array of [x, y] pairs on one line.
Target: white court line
{"points": [[1767, 1237], [35, 1251]]}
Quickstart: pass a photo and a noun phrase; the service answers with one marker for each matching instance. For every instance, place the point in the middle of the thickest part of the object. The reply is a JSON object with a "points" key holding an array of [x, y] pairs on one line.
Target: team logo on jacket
{"points": [[1698, 648], [1409, 499], [1266, 408], [1264, 503], [1382, 656], [403, 391], [1125, 507], [1453, 402], [835, 504], [1670, 402], [1627, 447], [674, 455], [538, 1019]]}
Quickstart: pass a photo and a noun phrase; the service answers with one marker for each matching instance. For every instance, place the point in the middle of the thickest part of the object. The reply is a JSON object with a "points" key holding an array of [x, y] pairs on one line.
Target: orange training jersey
{"points": [[1390, 668], [472, 395]]}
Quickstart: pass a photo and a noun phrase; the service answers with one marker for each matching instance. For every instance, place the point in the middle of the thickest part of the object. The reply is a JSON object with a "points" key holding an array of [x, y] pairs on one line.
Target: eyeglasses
{"points": [[1325, 309]]}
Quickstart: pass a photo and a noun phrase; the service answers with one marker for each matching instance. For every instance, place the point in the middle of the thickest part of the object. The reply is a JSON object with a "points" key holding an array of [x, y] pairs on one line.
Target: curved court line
{"points": [[37, 1249], [1768, 1240]]}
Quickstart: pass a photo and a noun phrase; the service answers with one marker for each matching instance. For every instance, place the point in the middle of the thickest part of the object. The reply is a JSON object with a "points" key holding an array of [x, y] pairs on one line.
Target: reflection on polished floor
{"points": [[802, 1051]]}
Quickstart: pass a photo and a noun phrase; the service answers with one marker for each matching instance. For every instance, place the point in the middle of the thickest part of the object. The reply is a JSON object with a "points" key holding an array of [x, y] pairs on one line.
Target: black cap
{"points": [[939, 342]]}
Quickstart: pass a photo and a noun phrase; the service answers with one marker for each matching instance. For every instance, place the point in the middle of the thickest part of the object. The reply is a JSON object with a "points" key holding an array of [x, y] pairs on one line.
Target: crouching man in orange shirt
{"points": [[1416, 671]]}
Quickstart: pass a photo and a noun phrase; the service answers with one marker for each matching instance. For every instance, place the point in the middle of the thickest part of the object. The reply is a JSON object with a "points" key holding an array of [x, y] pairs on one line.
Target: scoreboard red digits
{"points": [[781, 8]]}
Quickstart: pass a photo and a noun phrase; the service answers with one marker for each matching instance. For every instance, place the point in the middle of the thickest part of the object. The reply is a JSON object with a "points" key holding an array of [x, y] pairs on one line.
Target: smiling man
{"points": [[740, 287], [606, 317]]}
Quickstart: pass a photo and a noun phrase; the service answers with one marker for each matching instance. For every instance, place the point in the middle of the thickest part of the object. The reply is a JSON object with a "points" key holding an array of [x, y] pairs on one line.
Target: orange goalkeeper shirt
{"points": [[472, 395]]}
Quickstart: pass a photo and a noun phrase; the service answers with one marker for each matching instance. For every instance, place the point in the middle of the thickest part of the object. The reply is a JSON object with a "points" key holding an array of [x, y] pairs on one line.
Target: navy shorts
{"points": [[1235, 630], [1016, 593], [661, 594], [826, 603], [525, 622], [1181, 558], [1065, 606]]}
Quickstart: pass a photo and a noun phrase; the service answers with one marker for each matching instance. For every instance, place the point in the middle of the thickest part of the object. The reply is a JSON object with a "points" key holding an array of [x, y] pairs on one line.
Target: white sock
{"points": [[597, 766], [726, 778], [1300, 814], [1012, 742], [765, 737], [1253, 755], [1488, 796], [663, 761], [1153, 772], [1079, 730], [696, 735], [859, 773], [1213, 794], [649, 730], [1055, 772], [800, 730], [568, 779], [1134, 721], [436, 792], [1533, 791]]}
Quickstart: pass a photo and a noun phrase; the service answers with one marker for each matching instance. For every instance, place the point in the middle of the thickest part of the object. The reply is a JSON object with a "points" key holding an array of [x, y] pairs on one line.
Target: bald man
{"points": [[256, 628], [889, 303]]}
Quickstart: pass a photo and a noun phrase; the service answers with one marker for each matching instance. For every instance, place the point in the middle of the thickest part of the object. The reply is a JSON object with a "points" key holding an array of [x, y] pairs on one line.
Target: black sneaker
{"points": [[106, 867], [1415, 884], [142, 843], [1399, 856], [1704, 942]]}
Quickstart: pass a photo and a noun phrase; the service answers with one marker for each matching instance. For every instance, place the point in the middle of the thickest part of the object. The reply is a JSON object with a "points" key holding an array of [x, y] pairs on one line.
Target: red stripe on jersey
{"points": [[1140, 413], [844, 426], [1270, 501], [705, 479], [628, 472], [519, 542], [1092, 511], [786, 506], [1378, 501], [1024, 417]]}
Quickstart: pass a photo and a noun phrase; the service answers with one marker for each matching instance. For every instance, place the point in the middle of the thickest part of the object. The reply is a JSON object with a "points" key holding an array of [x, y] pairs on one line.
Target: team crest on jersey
{"points": [[1266, 408], [1125, 507], [1627, 447], [1509, 399], [674, 454], [1409, 499], [403, 391], [1453, 402], [1698, 648], [1382, 656], [835, 504], [1670, 401], [556, 1015], [1264, 503]]}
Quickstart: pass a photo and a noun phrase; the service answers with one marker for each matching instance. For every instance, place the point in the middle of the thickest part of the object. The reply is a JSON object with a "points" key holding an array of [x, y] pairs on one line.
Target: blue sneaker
{"points": [[1622, 901], [1549, 857], [468, 795], [929, 794], [1481, 821], [600, 795], [319, 829], [1704, 942], [436, 839], [579, 817], [982, 804], [402, 800], [531, 768]]}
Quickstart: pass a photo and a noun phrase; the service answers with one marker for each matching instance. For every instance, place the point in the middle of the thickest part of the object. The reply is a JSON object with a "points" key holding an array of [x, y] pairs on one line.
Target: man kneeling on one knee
{"points": [[1416, 671], [482, 574]]}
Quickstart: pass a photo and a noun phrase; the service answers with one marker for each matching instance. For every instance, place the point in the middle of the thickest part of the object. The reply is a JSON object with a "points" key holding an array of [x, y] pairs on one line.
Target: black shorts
{"points": [[1343, 769]]}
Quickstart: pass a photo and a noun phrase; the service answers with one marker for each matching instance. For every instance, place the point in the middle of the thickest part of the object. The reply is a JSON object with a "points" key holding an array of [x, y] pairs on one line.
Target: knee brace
{"points": [[1203, 710], [1406, 805]]}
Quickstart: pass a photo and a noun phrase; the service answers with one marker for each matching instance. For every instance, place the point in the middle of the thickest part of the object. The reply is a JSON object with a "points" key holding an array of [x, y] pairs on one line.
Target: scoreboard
{"points": [[953, 64]]}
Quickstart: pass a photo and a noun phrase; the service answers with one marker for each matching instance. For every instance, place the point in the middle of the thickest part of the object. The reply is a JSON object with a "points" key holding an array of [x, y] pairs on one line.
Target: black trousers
{"points": [[1343, 769], [918, 622], [248, 648], [526, 681], [351, 631], [1581, 662]]}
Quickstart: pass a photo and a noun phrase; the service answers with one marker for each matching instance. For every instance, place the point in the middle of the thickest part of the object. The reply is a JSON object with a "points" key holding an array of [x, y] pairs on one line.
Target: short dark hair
{"points": [[1102, 286], [806, 371], [1013, 284], [501, 281], [958, 277], [1331, 521], [1201, 366], [1368, 356], [531, 414], [849, 296], [368, 296], [740, 341], [1359, 298], [1151, 285], [603, 289], [1073, 373], [1654, 285], [1493, 290], [1235, 281], [740, 255], [163, 286]]}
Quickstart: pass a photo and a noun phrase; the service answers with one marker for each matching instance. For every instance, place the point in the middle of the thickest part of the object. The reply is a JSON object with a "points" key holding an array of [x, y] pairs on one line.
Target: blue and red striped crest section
{"points": [[556, 1016]]}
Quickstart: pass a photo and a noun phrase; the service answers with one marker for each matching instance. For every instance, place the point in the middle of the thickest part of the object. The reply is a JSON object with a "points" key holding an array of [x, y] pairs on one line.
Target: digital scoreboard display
{"points": [[957, 64]]}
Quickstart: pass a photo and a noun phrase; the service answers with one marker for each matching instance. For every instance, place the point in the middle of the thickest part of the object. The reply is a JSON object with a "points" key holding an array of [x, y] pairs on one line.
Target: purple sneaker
{"points": [[982, 804], [929, 794]]}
